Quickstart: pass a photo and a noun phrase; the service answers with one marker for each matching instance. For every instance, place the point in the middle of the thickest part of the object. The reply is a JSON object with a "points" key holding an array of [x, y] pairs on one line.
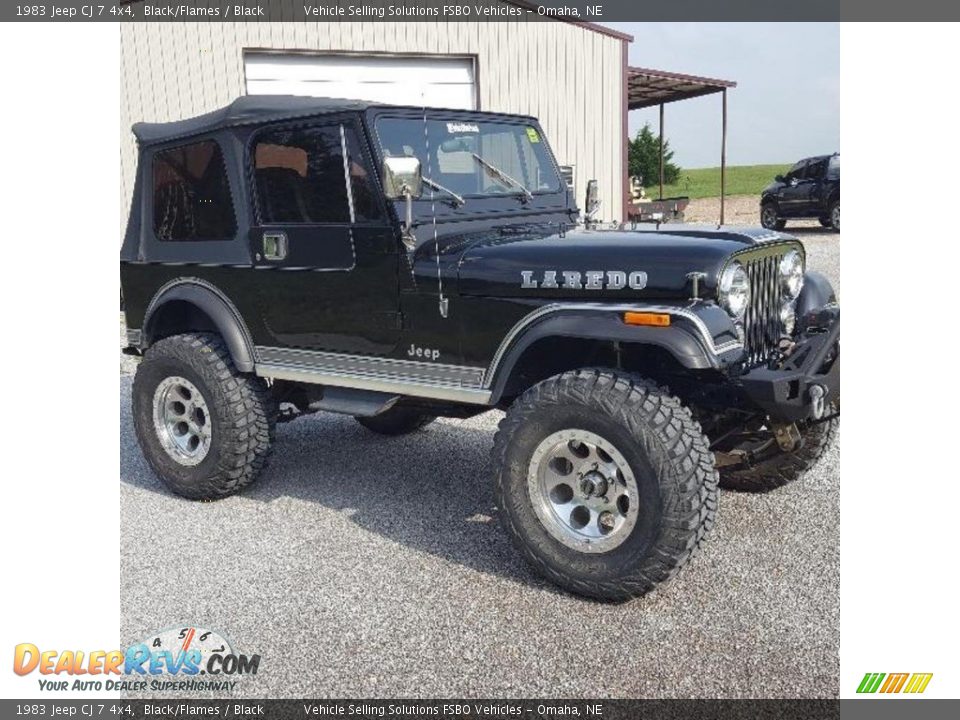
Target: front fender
{"points": [[692, 337], [817, 292]]}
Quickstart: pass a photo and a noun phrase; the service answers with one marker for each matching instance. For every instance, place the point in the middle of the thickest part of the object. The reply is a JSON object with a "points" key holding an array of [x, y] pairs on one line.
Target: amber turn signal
{"points": [[646, 318]]}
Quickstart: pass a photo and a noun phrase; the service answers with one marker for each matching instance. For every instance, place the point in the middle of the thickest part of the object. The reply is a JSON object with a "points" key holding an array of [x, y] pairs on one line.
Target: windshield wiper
{"points": [[458, 199], [502, 176]]}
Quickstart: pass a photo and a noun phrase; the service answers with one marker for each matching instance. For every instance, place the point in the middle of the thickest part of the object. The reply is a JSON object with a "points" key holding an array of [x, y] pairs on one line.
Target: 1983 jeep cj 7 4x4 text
{"points": [[289, 255]]}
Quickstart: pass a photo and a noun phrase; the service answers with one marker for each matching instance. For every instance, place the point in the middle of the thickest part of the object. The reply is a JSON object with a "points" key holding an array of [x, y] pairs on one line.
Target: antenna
{"points": [[444, 305]]}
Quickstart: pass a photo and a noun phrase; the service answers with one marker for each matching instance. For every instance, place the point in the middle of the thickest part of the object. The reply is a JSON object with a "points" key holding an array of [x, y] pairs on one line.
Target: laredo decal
{"points": [[589, 280]]}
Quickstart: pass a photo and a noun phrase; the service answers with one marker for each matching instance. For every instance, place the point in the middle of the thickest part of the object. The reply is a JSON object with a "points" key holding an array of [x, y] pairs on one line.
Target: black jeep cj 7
{"points": [[290, 255]]}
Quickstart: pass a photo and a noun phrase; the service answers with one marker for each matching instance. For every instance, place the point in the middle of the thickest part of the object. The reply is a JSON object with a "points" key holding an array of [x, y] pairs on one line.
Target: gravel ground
{"points": [[363, 566]]}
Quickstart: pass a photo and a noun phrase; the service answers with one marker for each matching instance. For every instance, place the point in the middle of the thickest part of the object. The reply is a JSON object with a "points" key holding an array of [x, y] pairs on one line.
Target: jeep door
{"points": [[325, 253]]}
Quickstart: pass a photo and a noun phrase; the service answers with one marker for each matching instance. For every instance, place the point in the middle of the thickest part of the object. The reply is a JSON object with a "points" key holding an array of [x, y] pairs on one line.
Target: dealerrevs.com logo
{"points": [[892, 683], [183, 658]]}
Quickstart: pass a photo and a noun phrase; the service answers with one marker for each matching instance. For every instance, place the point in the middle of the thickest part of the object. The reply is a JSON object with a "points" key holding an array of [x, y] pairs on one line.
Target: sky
{"points": [[787, 101]]}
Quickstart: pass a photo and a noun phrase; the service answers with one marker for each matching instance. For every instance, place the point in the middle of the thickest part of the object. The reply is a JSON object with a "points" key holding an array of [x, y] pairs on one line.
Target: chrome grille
{"points": [[762, 325]]}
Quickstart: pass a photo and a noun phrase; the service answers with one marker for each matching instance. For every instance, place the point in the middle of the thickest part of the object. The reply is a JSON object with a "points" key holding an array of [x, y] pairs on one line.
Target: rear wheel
{"points": [[769, 219], [605, 482], [835, 216], [204, 428], [396, 421]]}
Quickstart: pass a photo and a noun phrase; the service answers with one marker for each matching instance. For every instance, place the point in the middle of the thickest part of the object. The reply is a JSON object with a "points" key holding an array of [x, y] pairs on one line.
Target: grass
{"points": [[705, 182]]}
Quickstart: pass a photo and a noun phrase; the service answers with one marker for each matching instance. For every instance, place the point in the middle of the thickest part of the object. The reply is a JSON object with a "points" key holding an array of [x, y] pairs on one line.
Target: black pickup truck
{"points": [[290, 255], [810, 189]]}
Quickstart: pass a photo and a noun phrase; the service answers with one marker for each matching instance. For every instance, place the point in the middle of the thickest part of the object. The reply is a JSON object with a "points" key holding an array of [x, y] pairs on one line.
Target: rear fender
{"points": [[215, 305]]}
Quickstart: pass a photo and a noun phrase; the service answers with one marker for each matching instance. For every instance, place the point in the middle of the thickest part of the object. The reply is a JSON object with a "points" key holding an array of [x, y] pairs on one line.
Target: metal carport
{"points": [[647, 88]]}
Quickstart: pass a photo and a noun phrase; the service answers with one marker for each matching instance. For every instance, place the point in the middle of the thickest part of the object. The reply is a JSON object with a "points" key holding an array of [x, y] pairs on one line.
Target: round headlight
{"points": [[791, 274], [734, 290]]}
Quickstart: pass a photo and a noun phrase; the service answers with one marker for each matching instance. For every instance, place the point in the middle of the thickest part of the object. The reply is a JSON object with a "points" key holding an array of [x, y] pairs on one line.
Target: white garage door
{"points": [[435, 81]]}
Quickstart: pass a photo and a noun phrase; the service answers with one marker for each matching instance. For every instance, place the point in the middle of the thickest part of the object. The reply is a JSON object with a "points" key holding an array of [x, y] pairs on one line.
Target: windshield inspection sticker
{"points": [[532, 135], [462, 127]]}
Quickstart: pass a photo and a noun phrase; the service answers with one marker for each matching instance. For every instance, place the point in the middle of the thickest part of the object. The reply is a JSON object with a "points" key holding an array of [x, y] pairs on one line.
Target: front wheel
{"points": [[769, 219], [605, 481], [835, 216], [204, 428]]}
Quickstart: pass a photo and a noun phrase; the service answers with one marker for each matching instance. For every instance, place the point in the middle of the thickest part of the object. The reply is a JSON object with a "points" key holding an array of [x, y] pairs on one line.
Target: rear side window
{"points": [[302, 177], [191, 194]]}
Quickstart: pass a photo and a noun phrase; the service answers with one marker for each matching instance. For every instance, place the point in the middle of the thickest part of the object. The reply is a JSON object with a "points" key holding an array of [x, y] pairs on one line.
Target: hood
{"points": [[593, 264]]}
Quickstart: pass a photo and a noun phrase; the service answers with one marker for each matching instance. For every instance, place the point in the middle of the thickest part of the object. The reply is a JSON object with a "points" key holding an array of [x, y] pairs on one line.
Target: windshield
{"points": [[473, 157]]}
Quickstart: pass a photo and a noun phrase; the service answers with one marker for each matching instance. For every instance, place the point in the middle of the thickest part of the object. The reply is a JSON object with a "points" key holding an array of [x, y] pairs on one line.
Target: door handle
{"points": [[274, 245]]}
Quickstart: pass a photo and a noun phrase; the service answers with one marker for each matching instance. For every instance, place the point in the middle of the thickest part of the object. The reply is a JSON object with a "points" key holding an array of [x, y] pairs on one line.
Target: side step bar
{"points": [[347, 401]]}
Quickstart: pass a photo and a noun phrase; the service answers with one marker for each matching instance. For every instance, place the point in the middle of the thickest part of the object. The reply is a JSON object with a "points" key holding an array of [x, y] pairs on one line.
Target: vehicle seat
{"points": [[280, 191]]}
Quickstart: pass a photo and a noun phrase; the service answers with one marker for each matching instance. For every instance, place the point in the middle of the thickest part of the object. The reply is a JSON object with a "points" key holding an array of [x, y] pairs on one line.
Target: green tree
{"points": [[644, 158]]}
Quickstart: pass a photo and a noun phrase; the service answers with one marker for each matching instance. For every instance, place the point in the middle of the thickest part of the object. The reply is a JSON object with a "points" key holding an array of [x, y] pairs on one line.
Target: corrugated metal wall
{"points": [[568, 76]]}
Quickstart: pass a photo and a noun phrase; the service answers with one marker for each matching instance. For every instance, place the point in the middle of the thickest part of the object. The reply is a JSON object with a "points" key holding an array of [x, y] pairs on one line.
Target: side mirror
{"points": [[402, 179], [592, 205]]}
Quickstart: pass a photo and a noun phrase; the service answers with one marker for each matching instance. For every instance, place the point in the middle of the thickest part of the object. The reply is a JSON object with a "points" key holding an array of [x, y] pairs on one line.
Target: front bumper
{"points": [[806, 385]]}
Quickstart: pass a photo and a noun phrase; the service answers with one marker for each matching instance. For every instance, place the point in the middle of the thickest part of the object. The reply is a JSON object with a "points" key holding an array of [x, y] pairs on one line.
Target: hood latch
{"points": [[695, 278]]}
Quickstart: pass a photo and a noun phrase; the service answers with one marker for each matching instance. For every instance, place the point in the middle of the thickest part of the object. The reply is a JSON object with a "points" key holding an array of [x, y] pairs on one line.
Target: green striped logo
{"points": [[912, 683], [871, 682]]}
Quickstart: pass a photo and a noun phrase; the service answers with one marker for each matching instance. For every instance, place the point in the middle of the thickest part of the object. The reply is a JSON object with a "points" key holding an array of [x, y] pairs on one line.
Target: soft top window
{"points": [[302, 174], [191, 194], [458, 154]]}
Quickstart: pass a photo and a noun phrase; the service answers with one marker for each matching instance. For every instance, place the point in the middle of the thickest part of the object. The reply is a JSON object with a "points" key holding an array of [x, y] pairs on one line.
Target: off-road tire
{"points": [[777, 468], [769, 219], [242, 409], [396, 421], [825, 221], [666, 451]]}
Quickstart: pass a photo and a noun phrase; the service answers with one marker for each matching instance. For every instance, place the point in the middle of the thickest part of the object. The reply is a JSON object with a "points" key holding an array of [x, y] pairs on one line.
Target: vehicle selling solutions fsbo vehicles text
{"points": [[382, 11]]}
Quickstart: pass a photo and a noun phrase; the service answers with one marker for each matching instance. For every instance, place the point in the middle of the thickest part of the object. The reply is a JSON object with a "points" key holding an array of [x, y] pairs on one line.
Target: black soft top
{"points": [[246, 110], [255, 109]]}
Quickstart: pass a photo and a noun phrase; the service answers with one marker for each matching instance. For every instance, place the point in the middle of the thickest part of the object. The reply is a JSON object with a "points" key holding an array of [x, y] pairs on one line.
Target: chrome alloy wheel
{"points": [[835, 217], [182, 420], [768, 217], [583, 491]]}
